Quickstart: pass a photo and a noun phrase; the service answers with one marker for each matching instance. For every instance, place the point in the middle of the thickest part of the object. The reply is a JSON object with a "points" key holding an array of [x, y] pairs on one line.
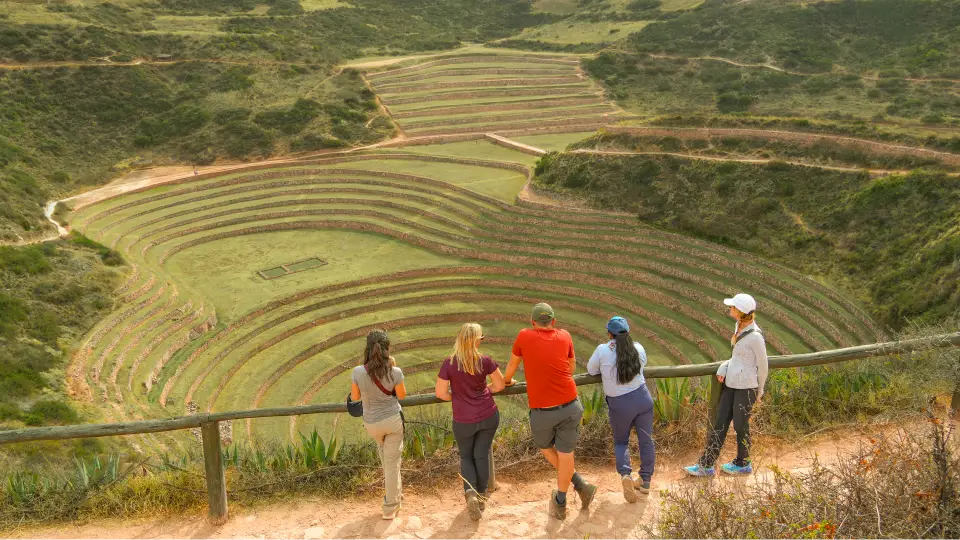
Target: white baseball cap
{"points": [[744, 302]]}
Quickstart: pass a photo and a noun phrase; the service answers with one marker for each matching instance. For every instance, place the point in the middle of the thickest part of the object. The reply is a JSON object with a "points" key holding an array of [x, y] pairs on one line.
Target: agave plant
{"points": [[96, 472], [673, 400], [425, 439], [23, 487], [316, 453], [592, 406]]}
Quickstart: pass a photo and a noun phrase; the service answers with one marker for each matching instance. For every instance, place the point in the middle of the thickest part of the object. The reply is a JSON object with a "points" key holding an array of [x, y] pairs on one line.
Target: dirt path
{"points": [[802, 137], [516, 510], [758, 161], [142, 62], [798, 73]]}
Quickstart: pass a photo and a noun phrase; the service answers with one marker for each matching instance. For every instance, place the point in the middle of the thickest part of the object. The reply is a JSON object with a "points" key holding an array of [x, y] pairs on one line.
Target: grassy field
{"points": [[417, 243], [575, 32]]}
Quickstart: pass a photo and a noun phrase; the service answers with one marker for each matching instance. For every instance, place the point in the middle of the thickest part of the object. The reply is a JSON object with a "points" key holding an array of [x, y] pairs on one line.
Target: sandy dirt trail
{"points": [[518, 509]]}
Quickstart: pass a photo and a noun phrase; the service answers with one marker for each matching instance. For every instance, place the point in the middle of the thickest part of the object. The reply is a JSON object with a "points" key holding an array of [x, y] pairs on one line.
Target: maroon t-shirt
{"points": [[472, 400]]}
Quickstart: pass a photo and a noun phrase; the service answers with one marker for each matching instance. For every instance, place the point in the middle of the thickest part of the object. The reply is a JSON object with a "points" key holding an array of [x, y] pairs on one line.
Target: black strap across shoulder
{"points": [[745, 334]]}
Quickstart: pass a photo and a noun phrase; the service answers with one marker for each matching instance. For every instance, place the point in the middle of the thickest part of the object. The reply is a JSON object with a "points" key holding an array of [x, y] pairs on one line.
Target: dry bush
{"points": [[904, 486]]}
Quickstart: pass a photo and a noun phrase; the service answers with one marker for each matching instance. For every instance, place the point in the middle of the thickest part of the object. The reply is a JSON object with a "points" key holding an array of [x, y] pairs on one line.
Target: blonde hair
{"points": [[466, 351], [746, 319]]}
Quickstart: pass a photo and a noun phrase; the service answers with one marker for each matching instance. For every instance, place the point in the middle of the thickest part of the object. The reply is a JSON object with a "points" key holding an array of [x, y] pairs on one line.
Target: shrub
{"points": [[857, 497], [47, 412], [242, 138], [313, 141], [733, 102], [27, 260]]}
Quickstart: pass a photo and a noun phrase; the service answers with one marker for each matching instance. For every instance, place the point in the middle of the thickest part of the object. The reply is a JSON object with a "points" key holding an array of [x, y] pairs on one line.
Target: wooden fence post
{"points": [[213, 467], [954, 402], [716, 388], [492, 484]]}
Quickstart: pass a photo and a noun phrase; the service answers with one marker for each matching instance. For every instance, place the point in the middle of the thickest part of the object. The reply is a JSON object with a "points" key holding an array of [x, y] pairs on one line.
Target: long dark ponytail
{"points": [[376, 357], [628, 358]]}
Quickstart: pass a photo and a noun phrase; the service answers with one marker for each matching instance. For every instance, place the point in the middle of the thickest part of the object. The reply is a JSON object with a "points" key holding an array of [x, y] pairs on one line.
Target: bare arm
{"points": [[496, 381], [401, 390], [354, 392], [512, 367], [442, 390]]}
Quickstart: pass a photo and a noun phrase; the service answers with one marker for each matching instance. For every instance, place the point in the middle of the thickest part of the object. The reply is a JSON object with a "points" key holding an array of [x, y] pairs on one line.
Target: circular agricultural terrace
{"points": [[256, 287]]}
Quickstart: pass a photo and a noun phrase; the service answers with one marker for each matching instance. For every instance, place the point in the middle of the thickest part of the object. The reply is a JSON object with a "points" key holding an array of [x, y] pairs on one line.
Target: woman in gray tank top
{"points": [[379, 384]]}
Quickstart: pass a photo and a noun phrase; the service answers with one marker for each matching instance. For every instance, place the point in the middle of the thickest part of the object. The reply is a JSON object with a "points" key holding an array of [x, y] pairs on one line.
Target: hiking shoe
{"points": [[736, 470], [482, 500], [629, 494], [699, 470], [392, 513], [587, 492], [473, 505], [641, 485], [557, 510]]}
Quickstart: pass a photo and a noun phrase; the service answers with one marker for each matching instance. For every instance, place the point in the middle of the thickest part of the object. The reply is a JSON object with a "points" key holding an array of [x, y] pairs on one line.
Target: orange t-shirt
{"points": [[546, 353]]}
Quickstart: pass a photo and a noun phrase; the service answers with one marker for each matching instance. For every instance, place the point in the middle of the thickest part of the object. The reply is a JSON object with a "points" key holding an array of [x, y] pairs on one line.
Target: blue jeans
{"points": [[630, 411]]}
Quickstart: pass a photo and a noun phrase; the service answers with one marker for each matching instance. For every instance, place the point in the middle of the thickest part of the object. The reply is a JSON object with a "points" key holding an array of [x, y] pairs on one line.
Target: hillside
{"points": [[193, 81], [252, 185], [893, 240]]}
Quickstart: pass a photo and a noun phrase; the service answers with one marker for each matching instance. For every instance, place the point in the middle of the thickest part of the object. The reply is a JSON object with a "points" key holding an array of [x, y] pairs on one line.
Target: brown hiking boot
{"points": [[629, 493], [587, 492], [473, 505], [557, 510], [482, 499]]}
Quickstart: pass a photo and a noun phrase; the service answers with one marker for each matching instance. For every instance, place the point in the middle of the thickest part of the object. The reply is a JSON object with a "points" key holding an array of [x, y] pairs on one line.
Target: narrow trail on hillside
{"points": [[765, 65], [755, 161], [144, 62], [517, 509], [803, 137]]}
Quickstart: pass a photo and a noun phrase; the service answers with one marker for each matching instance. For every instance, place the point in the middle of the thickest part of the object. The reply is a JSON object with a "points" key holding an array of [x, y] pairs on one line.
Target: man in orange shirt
{"points": [[555, 410]]}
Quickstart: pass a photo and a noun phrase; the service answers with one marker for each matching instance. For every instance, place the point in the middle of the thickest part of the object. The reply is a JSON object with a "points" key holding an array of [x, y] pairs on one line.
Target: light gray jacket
{"points": [[747, 368]]}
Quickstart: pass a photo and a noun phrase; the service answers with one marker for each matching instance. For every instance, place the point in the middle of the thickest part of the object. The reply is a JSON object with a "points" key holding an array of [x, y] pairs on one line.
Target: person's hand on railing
{"points": [[509, 382], [721, 378]]}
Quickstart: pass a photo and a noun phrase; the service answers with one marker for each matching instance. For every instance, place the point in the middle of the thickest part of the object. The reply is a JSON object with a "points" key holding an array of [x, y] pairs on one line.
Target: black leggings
{"points": [[735, 405], [474, 442]]}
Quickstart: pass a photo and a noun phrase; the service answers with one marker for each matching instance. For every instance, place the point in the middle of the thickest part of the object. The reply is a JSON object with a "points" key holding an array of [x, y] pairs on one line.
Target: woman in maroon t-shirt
{"points": [[463, 379]]}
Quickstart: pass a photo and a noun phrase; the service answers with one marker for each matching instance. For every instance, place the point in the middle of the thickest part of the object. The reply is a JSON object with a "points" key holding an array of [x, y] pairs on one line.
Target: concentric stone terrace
{"points": [[407, 239], [485, 93]]}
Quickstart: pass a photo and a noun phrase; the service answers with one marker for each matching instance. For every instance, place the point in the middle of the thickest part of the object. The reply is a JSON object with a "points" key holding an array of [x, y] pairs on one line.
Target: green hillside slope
{"points": [[895, 240]]}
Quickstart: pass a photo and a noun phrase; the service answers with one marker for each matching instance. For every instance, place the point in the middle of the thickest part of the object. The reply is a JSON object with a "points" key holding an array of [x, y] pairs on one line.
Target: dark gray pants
{"points": [[473, 443], [735, 405]]}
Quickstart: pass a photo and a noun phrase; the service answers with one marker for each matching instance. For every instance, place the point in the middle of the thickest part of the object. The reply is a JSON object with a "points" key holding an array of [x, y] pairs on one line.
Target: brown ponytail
{"points": [[746, 319], [376, 356]]}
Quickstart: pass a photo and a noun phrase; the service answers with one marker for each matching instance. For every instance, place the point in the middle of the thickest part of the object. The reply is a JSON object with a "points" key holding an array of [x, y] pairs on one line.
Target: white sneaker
{"points": [[393, 513]]}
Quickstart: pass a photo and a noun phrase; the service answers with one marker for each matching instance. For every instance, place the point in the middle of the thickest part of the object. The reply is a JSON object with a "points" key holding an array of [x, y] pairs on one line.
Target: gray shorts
{"points": [[558, 429]]}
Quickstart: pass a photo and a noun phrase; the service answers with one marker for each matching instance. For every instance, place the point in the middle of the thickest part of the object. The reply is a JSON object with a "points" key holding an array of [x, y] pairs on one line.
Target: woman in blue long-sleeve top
{"points": [[620, 363]]}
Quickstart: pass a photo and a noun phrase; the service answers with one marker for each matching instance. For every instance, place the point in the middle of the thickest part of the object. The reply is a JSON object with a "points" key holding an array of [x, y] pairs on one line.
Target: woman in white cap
{"points": [[620, 363], [743, 377]]}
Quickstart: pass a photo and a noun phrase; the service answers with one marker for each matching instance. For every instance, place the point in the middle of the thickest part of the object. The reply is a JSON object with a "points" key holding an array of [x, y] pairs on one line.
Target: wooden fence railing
{"points": [[210, 432]]}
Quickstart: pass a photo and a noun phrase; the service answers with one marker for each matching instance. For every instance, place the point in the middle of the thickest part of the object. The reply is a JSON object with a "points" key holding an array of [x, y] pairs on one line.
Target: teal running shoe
{"points": [[699, 470], [736, 470]]}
